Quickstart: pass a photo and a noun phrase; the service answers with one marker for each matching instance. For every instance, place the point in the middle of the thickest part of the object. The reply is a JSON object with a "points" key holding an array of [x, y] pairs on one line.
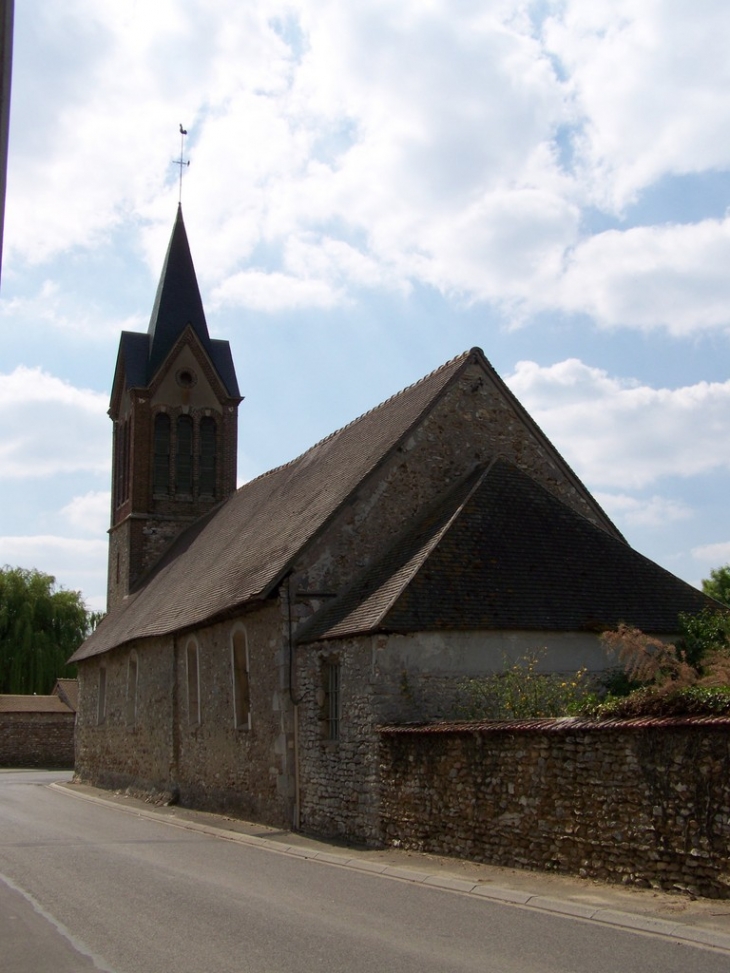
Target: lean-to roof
{"points": [[500, 552]]}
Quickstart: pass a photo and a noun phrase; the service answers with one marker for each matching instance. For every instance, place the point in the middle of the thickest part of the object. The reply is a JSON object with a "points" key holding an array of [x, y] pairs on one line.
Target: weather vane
{"points": [[181, 161]]}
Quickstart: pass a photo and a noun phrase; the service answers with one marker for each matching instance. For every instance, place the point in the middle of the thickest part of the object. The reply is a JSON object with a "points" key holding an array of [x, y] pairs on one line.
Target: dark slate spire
{"points": [[178, 301]]}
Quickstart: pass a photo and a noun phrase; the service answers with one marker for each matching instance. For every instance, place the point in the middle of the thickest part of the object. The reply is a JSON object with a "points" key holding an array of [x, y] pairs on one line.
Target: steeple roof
{"points": [[177, 305], [178, 302]]}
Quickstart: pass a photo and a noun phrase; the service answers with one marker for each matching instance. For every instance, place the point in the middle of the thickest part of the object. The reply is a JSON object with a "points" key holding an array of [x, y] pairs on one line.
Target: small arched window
{"points": [[184, 456], [161, 475], [207, 457]]}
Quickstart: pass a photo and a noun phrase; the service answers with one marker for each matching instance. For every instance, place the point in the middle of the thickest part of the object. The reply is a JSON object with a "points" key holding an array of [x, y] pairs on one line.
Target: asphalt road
{"points": [[86, 887]]}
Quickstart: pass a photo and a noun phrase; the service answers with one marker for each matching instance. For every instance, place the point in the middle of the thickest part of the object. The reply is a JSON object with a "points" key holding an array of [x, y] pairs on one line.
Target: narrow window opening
{"points": [[161, 466], [332, 700], [122, 437], [207, 458], [127, 460], [132, 676], [241, 692], [184, 456], [193, 680], [101, 701]]}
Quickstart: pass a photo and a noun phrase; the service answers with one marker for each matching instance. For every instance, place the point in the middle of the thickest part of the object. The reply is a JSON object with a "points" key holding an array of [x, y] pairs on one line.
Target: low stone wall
{"points": [[642, 802], [37, 740]]}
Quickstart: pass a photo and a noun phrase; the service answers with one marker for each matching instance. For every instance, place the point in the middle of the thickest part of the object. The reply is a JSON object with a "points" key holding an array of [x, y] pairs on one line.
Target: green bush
{"points": [[521, 692], [703, 635], [664, 701]]}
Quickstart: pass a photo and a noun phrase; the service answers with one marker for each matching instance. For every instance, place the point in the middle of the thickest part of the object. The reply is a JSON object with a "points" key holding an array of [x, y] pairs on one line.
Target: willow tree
{"points": [[40, 627]]}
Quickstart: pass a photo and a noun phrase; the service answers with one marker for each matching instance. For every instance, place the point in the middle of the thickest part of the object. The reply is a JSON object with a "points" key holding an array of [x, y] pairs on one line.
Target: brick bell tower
{"points": [[174, 406]]}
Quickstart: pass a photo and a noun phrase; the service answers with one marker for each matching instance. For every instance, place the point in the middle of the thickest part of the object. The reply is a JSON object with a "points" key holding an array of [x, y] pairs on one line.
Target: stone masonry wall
{"points": [[37, 740], [114, 750], [205, 761], [389, 679], [244, 770], [647, 805], [339, 779]]}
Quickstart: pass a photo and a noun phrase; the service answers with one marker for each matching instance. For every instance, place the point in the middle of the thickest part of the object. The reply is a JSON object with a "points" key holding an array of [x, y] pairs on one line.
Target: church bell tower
{"points": [[174, 406]]}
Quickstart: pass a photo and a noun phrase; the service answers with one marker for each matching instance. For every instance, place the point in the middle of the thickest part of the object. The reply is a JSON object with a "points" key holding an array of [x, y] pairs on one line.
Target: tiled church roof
{"points": [[240, 550]]}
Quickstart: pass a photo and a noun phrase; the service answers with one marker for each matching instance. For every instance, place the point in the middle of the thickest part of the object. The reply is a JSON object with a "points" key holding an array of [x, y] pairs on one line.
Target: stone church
{"points": [[256, 638]]}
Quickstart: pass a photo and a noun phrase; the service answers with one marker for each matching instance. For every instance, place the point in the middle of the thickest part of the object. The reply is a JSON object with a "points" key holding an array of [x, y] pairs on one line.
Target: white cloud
{"points": [[49, 427], [90, 512], [713, 554], [402, 125], [655, 511], [340, 146], [646, 277], [274, 292], [617, 433], [56, 308], [649, 83]]}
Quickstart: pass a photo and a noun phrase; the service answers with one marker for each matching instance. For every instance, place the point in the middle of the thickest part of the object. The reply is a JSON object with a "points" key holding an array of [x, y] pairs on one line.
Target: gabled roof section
{"points": [[502, 553], [240, 551], [130, 371], [68, 691]]}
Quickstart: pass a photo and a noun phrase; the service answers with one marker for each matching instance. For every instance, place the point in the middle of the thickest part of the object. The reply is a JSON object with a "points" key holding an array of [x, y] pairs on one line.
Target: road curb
{"points": [[692, 935]]}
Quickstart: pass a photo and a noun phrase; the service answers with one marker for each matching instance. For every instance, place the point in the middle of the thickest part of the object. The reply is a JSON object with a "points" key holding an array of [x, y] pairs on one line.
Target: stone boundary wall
{"points": [[37, 740], [643, 802]]}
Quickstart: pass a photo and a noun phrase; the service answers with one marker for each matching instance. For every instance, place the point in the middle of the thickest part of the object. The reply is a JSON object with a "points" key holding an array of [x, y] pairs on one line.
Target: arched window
{"points": [[132, 678], [192, 664], [184, 456], [161, 475], [239, 669], [207, 457]]}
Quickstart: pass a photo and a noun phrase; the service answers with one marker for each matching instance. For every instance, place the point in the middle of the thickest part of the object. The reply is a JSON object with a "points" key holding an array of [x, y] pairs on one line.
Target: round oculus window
{"points": [[186, 378]]}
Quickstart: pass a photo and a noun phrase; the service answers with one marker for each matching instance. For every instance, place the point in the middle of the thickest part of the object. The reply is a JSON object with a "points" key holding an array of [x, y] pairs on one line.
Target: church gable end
{"points": [[473, 421]]}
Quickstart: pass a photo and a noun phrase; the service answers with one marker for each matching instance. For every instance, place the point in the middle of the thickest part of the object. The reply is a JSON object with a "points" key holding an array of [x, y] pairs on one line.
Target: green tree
{"points": [[717, 586], [40, 627]]}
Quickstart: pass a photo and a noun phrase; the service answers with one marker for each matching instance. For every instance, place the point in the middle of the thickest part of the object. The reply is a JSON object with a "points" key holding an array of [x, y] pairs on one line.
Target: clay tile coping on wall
{"points": [[569, 724], [33, 704]]}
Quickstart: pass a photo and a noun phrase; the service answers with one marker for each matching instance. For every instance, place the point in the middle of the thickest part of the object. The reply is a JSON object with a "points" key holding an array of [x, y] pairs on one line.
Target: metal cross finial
{"points": [[181, 162]]}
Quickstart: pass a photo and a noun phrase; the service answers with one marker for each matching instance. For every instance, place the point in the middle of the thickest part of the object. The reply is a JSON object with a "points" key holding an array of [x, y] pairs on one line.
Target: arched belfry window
{"points": [[184, 456], [207, 457], [162, 454]]}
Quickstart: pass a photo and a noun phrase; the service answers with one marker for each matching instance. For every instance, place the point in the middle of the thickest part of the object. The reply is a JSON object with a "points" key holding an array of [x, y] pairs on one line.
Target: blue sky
{"points": [[375, 187]]}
